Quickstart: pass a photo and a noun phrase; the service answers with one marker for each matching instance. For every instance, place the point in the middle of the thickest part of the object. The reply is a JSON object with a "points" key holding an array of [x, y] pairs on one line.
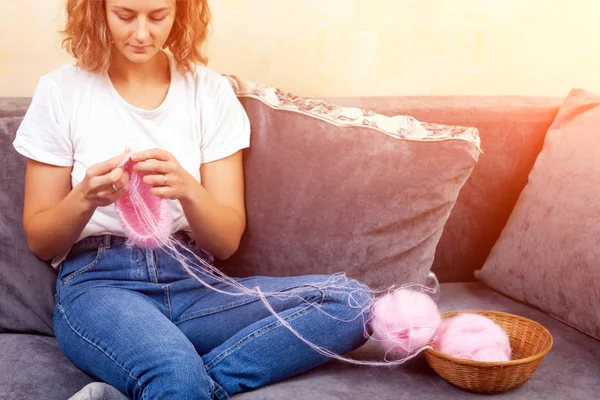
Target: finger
{"points": [[155, 180], [123, 181], [113, 195], [157, 154], [122, 190], [165, 192], [154, 166], [107, 180], [105, 167]]}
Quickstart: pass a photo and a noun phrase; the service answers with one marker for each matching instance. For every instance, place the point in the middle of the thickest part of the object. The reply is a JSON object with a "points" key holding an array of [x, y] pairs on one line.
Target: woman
{"points": [[132, 317]]}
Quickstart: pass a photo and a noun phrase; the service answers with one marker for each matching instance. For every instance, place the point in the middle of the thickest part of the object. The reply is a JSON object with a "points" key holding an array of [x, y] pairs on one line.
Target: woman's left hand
{"points": [[169, 180]]}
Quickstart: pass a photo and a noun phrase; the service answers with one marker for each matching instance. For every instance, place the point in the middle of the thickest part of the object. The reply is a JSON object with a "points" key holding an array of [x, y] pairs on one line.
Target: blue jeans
{"points": [[135, 319]]}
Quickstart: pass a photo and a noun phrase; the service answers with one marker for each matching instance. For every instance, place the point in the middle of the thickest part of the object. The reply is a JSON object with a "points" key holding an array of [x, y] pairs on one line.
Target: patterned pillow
{"points": [[339, 189], [548, 253]]}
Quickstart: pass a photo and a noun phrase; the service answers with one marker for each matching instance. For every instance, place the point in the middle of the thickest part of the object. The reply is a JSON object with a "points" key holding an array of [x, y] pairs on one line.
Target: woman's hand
{"points": [[104, 183], [169, 180]]}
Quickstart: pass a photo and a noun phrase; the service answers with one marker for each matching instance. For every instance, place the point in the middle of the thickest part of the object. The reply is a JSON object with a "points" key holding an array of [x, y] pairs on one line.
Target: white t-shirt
{"points": [[77, 119]]}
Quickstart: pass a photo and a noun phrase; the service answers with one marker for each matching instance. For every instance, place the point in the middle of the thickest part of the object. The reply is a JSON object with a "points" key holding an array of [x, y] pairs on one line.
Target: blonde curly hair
{"points": [[87, 37]]}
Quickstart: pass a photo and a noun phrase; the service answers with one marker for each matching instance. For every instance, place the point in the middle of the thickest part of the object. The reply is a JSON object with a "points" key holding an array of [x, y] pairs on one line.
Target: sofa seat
{"points": [[570, 371]]}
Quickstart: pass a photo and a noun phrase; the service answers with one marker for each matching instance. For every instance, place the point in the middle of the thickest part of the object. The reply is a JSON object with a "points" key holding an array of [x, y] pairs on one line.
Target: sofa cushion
{"points": [[548, 254], [35, 368], [571, 370], [26, 283], [339, 189]]}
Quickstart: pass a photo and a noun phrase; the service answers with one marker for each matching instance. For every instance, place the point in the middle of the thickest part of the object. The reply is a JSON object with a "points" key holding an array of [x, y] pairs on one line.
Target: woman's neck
{"points": [[156, 70]]}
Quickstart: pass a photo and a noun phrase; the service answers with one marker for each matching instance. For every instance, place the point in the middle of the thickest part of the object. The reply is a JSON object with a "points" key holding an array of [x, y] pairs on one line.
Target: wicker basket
{"points": [[529, 342]]}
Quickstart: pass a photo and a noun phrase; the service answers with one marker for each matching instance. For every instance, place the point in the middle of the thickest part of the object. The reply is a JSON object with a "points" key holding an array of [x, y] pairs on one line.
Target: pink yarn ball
{"points": [[404, 321], [473, 337]]}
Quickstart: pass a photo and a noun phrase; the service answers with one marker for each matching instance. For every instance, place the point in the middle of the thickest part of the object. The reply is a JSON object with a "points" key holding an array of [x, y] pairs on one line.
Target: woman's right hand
{"points": [[55, 213], [97, 185]]}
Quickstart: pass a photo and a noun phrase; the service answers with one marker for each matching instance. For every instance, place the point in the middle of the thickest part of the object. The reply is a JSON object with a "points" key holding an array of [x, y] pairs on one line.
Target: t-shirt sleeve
{"points": [[44, 131], [227, 127]]}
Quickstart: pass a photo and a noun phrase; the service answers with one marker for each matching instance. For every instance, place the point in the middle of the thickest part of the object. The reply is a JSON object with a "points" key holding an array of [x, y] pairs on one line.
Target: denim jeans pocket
{"points": [[74, 266]]}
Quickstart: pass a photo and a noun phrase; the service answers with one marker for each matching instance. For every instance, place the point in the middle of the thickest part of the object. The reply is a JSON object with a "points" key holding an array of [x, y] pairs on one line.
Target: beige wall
{"points": [[361, 47]]}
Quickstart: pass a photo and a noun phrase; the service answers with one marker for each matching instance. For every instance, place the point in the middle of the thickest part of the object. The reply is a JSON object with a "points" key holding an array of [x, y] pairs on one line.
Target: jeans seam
{"points": [[214, 310], [167, 301], [259, 332], [229, 306], [152, 262], [129, 373], [218, 390], [99, 254]]}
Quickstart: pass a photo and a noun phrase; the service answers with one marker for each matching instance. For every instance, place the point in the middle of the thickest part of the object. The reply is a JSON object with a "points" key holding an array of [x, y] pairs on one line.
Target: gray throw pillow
{"points": [[548, 255], [338, 189]]}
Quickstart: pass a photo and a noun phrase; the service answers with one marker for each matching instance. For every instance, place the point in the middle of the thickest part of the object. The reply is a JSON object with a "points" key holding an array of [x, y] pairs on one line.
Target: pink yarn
{"points": [[404, 322], [145, 218], [473, 337]]}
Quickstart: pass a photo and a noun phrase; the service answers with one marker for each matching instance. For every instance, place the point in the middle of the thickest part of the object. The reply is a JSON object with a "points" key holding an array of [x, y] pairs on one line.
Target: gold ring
{"points": [[114, 187]]}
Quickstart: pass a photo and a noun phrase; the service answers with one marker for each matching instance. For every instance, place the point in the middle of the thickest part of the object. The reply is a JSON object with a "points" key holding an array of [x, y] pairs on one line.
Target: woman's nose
{"points": [[141, 31]]}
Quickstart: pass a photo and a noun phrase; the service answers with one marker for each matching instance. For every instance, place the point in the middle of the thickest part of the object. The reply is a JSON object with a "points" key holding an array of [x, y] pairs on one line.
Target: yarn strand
{"points": [[134, 207]]}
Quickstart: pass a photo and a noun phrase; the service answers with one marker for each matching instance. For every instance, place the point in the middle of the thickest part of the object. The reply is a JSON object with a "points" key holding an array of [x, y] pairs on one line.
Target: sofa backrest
{"points": [[26, 283], [512, 131]]}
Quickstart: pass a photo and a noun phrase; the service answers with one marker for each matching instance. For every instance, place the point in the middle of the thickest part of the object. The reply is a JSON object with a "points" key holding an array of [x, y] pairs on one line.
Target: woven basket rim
{"points": [[527, 360]]}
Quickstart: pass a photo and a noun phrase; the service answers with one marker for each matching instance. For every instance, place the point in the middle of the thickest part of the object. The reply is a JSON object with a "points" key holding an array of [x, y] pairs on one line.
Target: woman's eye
{"points": [[157, 19], [125, 18]]}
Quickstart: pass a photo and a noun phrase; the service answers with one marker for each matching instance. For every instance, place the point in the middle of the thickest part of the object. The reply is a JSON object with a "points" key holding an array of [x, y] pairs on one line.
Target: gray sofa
{"points": [[512, 131]]}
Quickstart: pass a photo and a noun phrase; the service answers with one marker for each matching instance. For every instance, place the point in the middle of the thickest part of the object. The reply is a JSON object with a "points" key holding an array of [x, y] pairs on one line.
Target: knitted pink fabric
{"points": [[145, 218]]}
